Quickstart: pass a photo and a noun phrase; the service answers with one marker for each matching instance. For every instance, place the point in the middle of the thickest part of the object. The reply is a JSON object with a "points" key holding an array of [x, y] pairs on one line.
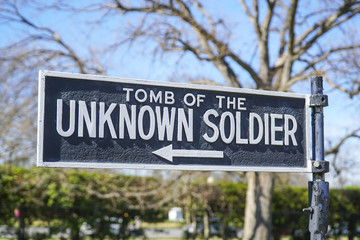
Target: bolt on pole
{"points": [[318, 188]]}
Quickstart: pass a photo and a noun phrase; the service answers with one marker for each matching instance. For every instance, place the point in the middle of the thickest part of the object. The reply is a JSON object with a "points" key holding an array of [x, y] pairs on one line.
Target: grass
{"points": [[162, 225]]}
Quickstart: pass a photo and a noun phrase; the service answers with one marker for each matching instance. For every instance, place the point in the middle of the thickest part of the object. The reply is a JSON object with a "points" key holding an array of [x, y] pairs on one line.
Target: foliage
{"points": [[287, 206], [61, 198], [71, 197], [345, 211], [230, 206]]}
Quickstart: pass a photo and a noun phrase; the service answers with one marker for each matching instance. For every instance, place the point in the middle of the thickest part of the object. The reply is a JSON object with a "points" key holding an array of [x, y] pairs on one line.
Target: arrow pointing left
{"points": [[169, 153]]}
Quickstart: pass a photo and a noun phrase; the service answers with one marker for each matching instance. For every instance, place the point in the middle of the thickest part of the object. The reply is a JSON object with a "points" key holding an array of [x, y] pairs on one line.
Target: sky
{"points": [[136, 60]]}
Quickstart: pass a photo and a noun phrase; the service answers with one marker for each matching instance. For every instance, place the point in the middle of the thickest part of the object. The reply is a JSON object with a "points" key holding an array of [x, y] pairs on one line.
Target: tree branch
{"points": [[335, 149], [288, 56], [182, 11], [252, 17], [265, 71], [323, 26], [53, 36], [323, 57], [248, 68], [342, 89]]}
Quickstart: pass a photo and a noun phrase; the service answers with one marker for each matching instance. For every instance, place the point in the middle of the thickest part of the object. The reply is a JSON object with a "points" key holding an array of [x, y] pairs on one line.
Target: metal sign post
{"points": [[318, 188]]}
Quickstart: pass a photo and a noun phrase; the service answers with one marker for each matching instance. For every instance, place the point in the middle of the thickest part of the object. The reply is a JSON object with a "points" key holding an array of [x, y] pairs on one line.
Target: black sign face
{"points": [[102, 122]]}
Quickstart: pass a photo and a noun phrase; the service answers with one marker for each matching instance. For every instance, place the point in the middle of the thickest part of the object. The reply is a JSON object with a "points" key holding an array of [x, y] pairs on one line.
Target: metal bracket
{"points": [[308, 209], [319, 100], [319, 166]]}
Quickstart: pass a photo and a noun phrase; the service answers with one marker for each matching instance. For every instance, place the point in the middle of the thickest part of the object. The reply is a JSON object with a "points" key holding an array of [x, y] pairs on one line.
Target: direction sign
{"points": [[106, 122]]}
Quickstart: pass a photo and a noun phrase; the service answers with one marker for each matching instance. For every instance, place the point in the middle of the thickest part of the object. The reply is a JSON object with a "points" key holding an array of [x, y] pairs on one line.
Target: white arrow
{"points": [[168, 153]]}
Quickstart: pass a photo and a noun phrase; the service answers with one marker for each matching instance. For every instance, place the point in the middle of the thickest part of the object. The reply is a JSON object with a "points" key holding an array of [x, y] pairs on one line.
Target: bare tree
{"points": [[293, 41], [18, 114], [20, 60]]}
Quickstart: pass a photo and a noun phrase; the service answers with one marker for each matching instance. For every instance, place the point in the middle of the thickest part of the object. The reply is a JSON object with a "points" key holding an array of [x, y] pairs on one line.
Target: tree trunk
{"points": [[206, 225], [21, 230], [352, 227], [258, 206], [187, 220], [195, 226], [224, 232], [75, 233]]}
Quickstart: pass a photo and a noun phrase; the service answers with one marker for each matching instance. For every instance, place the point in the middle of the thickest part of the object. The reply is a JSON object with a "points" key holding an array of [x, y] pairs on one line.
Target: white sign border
{"points": [[41, 111]]}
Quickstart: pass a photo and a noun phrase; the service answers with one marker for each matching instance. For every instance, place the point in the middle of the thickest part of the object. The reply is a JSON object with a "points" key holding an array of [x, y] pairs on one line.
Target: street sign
{"points": [[105, 122]]}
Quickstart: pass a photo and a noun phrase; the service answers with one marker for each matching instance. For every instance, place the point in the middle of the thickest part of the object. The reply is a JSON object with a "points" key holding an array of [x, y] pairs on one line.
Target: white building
{"points": [[176, 214]]}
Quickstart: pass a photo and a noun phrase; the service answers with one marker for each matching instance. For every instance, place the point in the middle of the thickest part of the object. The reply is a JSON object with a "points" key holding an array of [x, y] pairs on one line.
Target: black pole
{"points": [[318, 188]]}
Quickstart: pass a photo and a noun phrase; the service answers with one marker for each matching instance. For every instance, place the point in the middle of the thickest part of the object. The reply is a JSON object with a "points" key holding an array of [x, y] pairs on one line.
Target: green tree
{"points": [[287, 216], [230, 206], [344, 211]]}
